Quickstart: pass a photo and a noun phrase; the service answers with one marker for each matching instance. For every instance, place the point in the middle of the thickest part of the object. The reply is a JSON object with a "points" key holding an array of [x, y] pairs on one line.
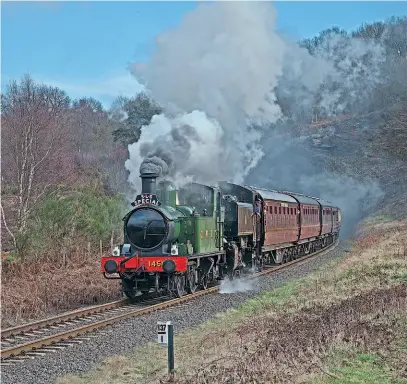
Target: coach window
{"points": [[275, 217], [271, 217]]}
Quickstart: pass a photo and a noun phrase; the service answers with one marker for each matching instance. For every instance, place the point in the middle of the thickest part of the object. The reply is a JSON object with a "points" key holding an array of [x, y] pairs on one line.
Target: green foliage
{"points": [[72, 218], [132, 114]]}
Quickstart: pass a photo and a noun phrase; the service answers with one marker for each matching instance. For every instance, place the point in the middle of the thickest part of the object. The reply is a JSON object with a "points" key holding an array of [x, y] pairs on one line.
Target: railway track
{"points": [[36, 339]]}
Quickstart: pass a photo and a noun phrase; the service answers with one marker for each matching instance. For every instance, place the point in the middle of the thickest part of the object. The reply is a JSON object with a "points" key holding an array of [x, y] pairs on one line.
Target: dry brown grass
{"points": [[38, 289], [291, 333], [284, 350]]}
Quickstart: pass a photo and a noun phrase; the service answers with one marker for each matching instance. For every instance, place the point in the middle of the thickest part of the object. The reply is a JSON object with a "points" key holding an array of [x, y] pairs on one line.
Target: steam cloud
{"points": [[224, 78], [217, 77], [236, 285]]}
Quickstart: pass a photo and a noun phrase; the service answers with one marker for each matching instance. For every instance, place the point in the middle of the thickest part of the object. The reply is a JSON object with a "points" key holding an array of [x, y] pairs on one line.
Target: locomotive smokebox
{"points": [[148, 182]]}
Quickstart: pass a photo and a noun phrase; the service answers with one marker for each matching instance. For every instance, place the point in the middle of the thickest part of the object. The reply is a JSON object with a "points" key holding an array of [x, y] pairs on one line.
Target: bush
{"points": [[69, 219]]}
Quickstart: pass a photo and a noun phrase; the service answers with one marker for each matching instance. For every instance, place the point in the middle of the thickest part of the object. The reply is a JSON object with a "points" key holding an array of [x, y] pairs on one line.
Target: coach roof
{"points": [[272, 195], [302, 198]]}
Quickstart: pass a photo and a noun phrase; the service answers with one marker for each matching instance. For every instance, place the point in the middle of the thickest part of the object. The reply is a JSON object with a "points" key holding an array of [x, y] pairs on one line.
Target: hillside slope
{"points": [[369, 147]]}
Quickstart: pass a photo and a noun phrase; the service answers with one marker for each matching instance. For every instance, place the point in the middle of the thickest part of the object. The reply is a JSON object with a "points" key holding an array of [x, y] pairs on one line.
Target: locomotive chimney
{"points": [[148, 182]]}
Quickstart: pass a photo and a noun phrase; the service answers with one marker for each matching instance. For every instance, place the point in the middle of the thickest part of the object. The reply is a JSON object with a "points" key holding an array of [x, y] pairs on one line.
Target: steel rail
{"points": [[73, 315], [83, 330]]}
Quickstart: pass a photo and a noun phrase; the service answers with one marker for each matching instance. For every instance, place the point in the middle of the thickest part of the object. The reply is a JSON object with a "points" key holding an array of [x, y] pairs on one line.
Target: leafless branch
{"points": [[6, 226]]}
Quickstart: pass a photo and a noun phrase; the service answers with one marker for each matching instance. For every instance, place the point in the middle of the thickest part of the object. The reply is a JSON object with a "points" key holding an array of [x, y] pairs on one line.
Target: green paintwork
{"points": [[194, 232], [205, 234], [167, 194]]}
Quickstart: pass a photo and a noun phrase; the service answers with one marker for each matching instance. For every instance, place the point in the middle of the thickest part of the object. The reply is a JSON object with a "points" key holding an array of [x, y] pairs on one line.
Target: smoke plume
{"points": [[225, 78], [217, 77]]}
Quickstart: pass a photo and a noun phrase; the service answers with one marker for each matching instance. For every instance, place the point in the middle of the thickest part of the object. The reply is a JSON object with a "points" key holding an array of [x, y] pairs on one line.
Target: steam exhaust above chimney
{"points": [[148, 183]]}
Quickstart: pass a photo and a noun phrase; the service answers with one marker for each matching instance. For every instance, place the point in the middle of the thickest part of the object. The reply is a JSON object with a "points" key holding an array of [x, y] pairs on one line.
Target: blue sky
{"points": [[85, 47]]}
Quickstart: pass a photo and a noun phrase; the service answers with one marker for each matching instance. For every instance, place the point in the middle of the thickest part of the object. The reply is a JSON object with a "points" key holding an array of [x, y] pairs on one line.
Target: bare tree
{"points": [[34, 144], [96, 152]]}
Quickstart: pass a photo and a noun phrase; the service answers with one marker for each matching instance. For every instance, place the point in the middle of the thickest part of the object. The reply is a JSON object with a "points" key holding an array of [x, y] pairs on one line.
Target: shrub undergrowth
{"points": [[57, 263], [69, 219]]}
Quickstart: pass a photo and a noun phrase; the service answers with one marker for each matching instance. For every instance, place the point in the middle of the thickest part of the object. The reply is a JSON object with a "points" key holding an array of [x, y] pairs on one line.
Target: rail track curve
{"points": [[38, 338]]}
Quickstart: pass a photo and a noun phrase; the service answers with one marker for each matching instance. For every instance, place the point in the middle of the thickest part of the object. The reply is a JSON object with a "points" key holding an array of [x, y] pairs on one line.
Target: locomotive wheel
{"points": [[157, 283], [286, 256], [204, 281], [191, 279], [128, 289], [179, 285]]}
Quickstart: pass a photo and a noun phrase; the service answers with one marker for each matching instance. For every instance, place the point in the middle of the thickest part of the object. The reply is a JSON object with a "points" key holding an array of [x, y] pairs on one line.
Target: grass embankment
{"points": [[57, 266], [345, 323]]}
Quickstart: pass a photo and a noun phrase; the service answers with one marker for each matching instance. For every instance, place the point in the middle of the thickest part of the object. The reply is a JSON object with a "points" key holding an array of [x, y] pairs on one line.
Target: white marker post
{"points": [[165, 334]]}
